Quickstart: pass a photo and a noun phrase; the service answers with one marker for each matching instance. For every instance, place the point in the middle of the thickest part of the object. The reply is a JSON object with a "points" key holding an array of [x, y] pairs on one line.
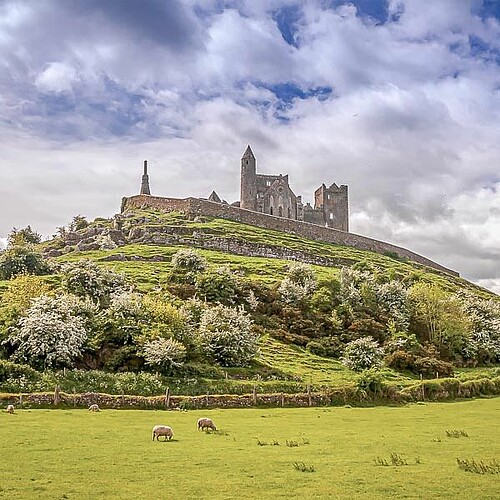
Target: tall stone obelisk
{"points": [[145, 180]]}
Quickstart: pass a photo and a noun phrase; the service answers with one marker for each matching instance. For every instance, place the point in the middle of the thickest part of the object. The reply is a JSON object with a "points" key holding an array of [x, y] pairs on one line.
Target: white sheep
{"points": [[10, 409], [206, 423], [94, 407], [162, 430]]}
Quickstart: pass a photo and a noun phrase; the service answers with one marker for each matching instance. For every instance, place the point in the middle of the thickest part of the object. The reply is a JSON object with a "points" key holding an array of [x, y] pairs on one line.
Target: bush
{"points": [[167, 354], [362, 354], [50, 335], [219, 285], [299, 284], [18, 260], [86, 279], [227, 337], [429, 367], [9, 370], [186, 265]]}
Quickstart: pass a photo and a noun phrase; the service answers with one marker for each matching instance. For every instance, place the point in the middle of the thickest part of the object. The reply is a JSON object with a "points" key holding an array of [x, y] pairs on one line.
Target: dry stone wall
{"points": [[198, 207]]}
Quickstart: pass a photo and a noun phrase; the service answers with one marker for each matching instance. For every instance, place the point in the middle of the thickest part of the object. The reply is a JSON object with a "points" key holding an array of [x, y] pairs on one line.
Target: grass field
{"points": [[76, 454]]}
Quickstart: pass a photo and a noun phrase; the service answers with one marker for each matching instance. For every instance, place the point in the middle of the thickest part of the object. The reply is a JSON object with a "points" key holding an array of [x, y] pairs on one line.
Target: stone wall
{"points": [[195, 206]]}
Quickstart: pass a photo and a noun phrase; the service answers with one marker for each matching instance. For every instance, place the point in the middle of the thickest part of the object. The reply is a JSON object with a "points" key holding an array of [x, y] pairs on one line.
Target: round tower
{"points": [[248, 193]]}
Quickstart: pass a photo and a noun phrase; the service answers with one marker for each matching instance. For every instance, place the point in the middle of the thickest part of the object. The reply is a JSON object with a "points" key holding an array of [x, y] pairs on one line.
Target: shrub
{"points": [[10, 370], [167, 354], [219, 285], [227, 337], [50, 334], [362, 354], [86, 279], [21, 259], [299, 284], [186, 265], [429, 367]]}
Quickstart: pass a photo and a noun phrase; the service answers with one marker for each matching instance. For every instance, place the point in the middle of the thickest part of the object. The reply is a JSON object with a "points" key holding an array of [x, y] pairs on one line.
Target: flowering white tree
{"points": [[164, 353], [362, 354], [226, 336], [86, 279], [298, 285], [483, 341], [392, 298], [50, 334]]}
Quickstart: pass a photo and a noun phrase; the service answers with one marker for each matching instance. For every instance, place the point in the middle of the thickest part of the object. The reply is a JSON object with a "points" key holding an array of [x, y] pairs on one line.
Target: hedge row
{"points": [[434, 390]]}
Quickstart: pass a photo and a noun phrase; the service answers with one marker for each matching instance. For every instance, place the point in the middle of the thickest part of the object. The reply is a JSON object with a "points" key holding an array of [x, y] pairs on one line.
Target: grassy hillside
{"points": [[326, 322], [156, 263]]}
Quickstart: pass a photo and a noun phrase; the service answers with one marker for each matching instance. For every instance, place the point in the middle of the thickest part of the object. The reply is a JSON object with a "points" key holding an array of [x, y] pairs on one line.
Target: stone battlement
{"points": [[199, 207]]}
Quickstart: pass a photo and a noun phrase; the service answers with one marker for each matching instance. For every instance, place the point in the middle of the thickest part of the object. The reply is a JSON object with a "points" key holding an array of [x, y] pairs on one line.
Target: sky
{"points": [[398, 99]]}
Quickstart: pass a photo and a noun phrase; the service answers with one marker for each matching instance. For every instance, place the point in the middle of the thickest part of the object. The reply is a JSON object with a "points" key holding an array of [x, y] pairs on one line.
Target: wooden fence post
{"points": [[56, 395], [206, 398], [21, 400], [74, 397], [167, 397], [282, 399], [309, 395], [254, 395]]}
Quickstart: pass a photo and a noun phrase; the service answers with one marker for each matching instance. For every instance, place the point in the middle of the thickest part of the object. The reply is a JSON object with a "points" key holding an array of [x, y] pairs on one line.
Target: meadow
{"points": [[327, 452]]}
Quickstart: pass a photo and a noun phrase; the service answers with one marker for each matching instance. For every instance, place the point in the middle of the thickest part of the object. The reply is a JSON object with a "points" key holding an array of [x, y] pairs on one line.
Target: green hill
{"points": [[427, 321]]}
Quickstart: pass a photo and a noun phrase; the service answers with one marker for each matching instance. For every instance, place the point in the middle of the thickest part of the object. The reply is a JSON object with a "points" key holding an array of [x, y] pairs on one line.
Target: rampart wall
{"points": [[198, 207]]}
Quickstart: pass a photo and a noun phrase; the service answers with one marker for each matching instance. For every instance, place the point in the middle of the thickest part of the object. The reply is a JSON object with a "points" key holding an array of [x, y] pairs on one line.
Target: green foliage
{"points": [[218, 285], [23, 237], [24, 259], [77, 223], [186, 265]]}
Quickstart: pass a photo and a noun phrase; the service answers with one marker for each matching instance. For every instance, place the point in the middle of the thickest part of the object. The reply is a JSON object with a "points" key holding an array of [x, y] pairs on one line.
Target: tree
{"points": [[22, 237], [167, 354], [50, 335], [78, 222], [227, 337], [298, 285], [186, 265], [23, 259], [219, 285], [441, 315], [86, 279], [362, 354]]}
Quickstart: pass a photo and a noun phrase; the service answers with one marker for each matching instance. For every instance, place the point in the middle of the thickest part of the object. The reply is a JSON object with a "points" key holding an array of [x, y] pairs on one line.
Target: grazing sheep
{"points": [[162, 430], [94, 407], [10, 409], [206, 423]]}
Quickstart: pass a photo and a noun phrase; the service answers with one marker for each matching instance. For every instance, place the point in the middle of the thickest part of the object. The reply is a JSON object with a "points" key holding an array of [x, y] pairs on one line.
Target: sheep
{"points": [[10, 409], [94, 407], [206, 423], [162, 430]]}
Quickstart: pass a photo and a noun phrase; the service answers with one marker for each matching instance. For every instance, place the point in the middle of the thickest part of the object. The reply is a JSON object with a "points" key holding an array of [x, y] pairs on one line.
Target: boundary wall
{"points": [[199, 207]]}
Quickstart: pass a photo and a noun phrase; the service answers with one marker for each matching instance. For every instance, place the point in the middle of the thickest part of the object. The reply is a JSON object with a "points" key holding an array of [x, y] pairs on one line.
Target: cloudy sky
{"points": [[399, 99]]}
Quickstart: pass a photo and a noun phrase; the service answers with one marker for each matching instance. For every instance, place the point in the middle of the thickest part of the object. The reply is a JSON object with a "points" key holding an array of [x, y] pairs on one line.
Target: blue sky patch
{"points": [[287, 19]]}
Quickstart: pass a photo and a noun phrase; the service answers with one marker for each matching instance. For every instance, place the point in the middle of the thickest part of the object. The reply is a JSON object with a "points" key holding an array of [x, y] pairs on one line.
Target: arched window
{"points": [[271, 210], [280, 211]]}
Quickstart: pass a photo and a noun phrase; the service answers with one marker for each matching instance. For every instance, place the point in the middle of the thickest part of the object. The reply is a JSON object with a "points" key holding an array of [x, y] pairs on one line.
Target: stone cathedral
{"points": [[271, 194]]}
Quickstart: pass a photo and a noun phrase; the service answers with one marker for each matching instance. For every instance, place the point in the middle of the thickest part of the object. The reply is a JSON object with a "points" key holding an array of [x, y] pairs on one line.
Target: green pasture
{"points": [[77, 454]]}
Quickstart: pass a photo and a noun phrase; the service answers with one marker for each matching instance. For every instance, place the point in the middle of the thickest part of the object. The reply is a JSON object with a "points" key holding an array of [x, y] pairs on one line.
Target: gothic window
{"points": [[331, 216], [271, 210], [280, 211], [289, 213], [268, 183]]}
